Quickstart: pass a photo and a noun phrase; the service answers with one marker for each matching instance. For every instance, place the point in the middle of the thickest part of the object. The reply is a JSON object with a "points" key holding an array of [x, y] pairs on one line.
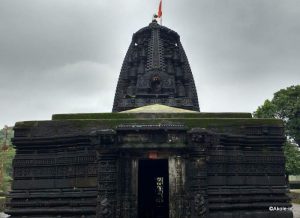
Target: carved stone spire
{"points": [[155, 71]]}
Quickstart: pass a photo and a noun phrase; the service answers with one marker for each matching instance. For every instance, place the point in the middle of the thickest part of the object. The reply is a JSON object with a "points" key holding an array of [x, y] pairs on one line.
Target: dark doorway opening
{"points": [[153, 189]]}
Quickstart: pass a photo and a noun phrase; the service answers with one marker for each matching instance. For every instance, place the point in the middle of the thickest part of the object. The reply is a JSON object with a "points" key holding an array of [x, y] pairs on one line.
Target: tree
{"points": [[285, 105], [7, 153], [292, 160]]}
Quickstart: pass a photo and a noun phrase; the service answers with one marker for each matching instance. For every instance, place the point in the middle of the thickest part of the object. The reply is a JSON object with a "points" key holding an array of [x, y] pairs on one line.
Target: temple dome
{"points": [[158, 108], [155, 71]]}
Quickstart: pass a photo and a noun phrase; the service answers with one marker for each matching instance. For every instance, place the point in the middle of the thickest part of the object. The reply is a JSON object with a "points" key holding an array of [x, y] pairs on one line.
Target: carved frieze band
{"points": [[263, 130], [56, 171], [202, 138], [38, 161], [55, 167], [103, 137], [246, 169], [132, 102], [258, 159]]}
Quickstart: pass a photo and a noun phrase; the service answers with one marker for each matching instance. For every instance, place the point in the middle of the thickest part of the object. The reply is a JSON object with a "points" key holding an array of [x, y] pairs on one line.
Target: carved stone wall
{"points": [[55, 179], [213, 172], [246, 174]]}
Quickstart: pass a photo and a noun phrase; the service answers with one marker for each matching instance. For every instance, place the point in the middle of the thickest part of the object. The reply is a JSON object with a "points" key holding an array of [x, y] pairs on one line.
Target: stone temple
{"points": [[155, 156]]}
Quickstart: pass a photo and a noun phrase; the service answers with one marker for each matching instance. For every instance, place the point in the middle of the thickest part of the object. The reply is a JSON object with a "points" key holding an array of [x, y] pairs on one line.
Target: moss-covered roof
{"points": [[144, 115], [86, 125], [64, 124], [152, 114]]}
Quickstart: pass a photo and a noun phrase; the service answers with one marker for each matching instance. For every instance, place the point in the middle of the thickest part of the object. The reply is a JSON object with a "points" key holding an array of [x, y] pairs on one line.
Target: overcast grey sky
{"points": [[64, 56]]}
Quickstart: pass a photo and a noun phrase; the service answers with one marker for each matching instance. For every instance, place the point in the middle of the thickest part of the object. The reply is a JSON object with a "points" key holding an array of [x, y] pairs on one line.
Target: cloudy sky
{"points": [[64, 56]]}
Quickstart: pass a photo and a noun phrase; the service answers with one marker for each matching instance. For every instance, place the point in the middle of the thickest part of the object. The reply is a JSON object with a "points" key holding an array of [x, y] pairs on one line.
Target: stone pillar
{"points": [[107, 184], [127, 198], [107, 172], [196, 173], [176, 185], [196, 185]]}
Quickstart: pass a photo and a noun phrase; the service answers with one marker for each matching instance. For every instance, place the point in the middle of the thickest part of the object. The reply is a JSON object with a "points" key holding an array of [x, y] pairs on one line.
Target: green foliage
{"points": [[105, 116], [10, 134], [267, 110], [7, 154], [2, 204], [285, 105], [292, 162]]}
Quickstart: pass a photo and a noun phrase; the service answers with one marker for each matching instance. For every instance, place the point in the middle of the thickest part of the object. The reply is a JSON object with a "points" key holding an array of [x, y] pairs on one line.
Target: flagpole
{"points": [[161, 15]]}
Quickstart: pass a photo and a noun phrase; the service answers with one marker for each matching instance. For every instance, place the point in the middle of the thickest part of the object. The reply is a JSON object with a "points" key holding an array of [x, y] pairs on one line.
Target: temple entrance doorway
{"points": [[153, 189]]}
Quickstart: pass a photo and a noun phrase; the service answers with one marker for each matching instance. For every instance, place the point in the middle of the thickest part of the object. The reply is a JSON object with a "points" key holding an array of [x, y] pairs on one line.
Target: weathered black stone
{"points": [[87, 165], [155, 71]]}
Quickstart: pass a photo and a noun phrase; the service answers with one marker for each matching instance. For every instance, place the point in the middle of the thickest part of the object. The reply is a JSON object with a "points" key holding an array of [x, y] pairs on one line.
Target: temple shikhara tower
{"points": [[156, 71], [155, 156]]}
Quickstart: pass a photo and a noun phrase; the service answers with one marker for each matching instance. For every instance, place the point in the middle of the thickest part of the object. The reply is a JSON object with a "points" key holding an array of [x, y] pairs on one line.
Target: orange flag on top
{"points": [[159, 13]]}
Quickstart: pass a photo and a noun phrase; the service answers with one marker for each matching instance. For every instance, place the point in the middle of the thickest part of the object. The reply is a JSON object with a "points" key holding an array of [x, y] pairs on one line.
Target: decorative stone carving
{"points": [[104, 208], [103, 137], [107, 185], [202, 137], [155, 69]]}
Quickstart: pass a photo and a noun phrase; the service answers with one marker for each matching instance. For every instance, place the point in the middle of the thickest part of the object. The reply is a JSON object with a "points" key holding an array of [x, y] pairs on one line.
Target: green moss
{"points": [[109, 121], [189, 122], [147, 115], [26, 124]]}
